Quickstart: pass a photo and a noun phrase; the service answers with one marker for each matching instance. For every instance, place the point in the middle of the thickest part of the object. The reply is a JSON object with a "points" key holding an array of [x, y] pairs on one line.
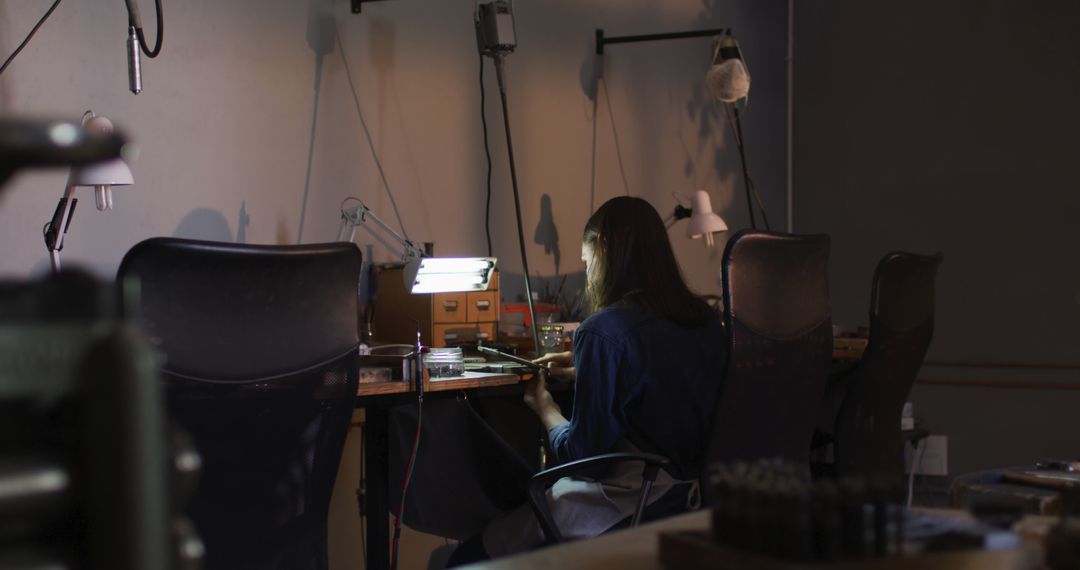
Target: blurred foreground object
{"points": [[88, 478]]}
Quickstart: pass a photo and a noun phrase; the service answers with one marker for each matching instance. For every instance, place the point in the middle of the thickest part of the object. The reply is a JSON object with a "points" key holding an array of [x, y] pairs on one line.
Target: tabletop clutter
{"points": [[770, 515]]}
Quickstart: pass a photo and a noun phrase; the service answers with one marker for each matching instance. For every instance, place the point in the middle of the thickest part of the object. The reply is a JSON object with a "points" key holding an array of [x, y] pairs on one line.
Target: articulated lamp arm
{"points": [[359, 215], [421, 274]]}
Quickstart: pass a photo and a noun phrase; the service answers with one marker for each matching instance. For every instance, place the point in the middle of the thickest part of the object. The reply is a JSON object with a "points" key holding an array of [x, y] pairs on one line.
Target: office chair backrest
{"points": [[260, 347], [867, 433], [779, 323]]}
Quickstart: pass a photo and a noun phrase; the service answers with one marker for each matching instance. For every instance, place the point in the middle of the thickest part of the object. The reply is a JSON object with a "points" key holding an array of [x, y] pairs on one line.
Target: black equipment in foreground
{"points": [[769, 514], [88, 477], [47, 143]]}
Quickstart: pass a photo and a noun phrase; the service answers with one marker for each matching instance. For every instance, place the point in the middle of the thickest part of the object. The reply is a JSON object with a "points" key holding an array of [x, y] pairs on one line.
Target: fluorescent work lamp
{"points": [[440, 275], [421, 274]]}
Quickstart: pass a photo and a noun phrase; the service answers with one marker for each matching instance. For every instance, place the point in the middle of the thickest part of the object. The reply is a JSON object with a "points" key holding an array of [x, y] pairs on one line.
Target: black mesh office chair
{"points": [[780, 336], [780, 327], [867, 434], [260, 346]]}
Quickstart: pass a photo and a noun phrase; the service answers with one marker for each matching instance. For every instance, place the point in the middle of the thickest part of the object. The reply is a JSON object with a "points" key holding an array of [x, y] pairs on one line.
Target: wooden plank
{"points": [[381, 388], [471, 380]]}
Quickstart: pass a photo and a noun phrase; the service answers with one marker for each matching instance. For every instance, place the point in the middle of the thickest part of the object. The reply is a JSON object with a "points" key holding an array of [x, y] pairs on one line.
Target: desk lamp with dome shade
{"points": [[703, 221], [101, 175]]}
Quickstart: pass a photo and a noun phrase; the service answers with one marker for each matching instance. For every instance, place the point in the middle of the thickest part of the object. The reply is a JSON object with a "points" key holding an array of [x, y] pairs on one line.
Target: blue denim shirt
{"points": [[645, 378]]}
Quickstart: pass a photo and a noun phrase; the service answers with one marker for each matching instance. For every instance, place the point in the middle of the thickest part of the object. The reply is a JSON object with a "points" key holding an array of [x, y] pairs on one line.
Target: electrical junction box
{"points": [[932, 457], [495, 28]]}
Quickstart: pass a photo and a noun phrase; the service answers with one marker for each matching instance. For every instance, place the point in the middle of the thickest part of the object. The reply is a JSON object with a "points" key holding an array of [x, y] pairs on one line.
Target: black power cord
{"points": [[361, 496], [394, 550], [752, 195], [416, 360], [367, 135], [133, 22], [33, 31], [487, 153]]}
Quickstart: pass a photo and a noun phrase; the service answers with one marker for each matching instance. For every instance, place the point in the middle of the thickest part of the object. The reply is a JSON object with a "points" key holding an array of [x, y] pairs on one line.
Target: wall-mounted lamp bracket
{"points": [[602, 40], [355, 6]]}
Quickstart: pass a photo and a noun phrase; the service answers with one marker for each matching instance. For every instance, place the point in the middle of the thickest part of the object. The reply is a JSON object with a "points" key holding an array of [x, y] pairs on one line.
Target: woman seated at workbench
{"points": [[646, 367]]}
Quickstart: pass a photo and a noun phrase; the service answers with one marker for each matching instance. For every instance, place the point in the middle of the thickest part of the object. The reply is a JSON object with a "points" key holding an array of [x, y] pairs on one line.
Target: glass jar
{"points": [[551, 339]]}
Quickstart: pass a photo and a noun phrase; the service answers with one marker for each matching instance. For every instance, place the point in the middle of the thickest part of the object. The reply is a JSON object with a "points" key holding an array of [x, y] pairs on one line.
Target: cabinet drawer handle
{"points": [[450, 305], [483, 305], [483, 335], [450, 336]]}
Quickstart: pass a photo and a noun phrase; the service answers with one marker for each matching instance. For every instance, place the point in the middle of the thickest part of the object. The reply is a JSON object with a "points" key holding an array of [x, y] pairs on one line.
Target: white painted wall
{"points": [[224, 124]]}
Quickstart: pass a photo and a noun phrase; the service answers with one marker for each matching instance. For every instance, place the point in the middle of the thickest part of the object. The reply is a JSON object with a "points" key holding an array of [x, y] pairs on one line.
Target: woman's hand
{"points": [[560, 366], [537, 396], [540, 401]]}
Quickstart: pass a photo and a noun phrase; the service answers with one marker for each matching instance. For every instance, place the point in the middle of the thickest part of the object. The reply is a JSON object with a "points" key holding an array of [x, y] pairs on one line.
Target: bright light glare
{"points": [[453, 265], [40, 481], [63, 134], [448, 274], [441, 282]]}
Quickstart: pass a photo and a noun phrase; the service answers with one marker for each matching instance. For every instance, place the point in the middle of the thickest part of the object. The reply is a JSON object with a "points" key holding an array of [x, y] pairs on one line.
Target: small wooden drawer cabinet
{"points": [[445, 319]]}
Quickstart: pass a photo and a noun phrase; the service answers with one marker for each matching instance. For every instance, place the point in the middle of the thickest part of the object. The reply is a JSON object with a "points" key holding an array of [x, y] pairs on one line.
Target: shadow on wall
{"points": [[547, 234], [701, 109], [207, 224], [382, 45], [242, 222], [381, 38], [320, 38], [591, 70]]}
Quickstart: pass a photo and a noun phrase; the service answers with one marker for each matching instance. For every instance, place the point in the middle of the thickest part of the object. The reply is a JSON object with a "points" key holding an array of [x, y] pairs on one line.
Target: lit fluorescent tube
{"points": [[446, 274]]}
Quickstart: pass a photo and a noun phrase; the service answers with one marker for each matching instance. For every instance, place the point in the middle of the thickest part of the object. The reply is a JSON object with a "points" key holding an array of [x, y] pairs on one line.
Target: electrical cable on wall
{"points": [[362, 497], [367, 135], [135, 21], [728, 80], [25, 41], [615, 135], [416, 360], [487, 153], [734, 120], [136, 43], [394, 550]]}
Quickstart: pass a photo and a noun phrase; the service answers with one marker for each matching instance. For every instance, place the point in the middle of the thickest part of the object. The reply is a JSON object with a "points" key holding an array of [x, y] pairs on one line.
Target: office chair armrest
{"points": [[539, 483]]}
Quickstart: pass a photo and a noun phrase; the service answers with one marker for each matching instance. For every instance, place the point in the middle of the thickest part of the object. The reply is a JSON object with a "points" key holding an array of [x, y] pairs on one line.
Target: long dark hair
{"points": [[632, 258]]}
